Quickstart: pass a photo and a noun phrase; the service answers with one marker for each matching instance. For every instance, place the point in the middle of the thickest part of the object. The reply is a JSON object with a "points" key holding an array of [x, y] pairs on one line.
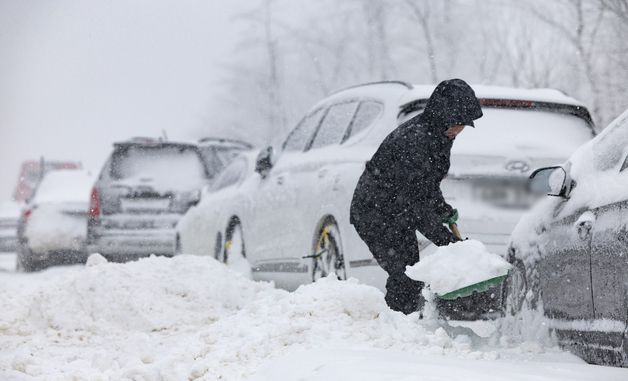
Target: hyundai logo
{"points": [[517, 166]]}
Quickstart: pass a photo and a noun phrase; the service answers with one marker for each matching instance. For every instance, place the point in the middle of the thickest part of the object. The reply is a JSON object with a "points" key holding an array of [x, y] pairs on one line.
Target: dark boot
{"points": [[403, 294]]}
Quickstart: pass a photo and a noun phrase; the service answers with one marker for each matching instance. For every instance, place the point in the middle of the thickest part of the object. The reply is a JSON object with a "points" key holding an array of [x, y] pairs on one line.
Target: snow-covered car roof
{"points": [[225, 143], [499, 92], [153, 142], [64, 186], [404, 92]]}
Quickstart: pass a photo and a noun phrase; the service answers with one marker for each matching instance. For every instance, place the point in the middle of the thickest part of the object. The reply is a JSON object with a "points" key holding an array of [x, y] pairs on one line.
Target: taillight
{"points": [[94, 204], [26, 213]]}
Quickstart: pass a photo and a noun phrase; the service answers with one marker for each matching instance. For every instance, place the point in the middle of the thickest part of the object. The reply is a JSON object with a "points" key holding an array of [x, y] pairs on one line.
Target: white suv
{"points": [[297, 204]]}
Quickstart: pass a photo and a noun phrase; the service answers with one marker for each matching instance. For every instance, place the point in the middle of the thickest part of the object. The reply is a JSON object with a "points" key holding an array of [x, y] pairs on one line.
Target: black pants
{"points": [[394, 245]]}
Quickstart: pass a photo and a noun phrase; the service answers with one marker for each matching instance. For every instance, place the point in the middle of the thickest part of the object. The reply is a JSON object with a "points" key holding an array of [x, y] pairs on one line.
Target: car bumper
{"points": [[8, 243], [125, 245]]}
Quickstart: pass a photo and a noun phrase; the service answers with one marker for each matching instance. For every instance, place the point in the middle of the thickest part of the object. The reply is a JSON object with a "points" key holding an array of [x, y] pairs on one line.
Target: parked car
{"points": [[9, 216], [145, 186], [52, 227], [292, 216], [570, 253], [31, 173]]}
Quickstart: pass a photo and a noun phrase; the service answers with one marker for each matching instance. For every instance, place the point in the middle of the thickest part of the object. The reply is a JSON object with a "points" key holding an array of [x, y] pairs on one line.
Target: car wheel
{"points": [[515, 288], [218, 246], [234, 251], [22, 264], [177, 245], [327, 256]]}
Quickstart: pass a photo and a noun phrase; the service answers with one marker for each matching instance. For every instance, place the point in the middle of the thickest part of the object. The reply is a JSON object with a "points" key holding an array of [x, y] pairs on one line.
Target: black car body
{"points": [[571, 251]]}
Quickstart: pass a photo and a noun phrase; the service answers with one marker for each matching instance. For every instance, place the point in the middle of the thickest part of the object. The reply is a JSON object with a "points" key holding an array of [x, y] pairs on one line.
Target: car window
{"points": [[302, 134], [335, 124], [367, 113], [226, 155], [162, 167], [231, 175], [212, 160]]}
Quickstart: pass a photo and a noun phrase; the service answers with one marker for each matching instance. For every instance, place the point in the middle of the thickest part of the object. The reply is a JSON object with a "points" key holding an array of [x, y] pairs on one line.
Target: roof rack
{"points": [[402, 83]]}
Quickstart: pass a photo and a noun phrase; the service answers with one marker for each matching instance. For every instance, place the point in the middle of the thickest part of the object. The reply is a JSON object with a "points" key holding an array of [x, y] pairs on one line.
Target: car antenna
{"points": [[164, 135]]}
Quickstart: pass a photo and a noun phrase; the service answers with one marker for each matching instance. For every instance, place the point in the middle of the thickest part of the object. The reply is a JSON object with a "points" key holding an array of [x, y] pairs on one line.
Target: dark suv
{"points": [[145, 186]]}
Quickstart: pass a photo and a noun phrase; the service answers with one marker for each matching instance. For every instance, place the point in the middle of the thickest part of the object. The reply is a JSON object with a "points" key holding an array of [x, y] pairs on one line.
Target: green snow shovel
{"points": [[472, 288]]}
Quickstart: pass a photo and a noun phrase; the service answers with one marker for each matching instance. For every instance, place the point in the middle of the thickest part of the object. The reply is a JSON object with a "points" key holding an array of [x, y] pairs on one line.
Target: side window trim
{"points": [[320, 123], [349, 130]]}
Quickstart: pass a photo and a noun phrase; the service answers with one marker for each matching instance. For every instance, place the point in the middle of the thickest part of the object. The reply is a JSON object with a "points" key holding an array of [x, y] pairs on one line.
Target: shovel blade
{"points": [[473, 288]]}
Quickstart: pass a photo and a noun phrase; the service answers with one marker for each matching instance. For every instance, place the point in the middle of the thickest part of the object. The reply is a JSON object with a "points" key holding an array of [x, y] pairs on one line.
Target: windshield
{"points": [[530, 133], [170, 166]]}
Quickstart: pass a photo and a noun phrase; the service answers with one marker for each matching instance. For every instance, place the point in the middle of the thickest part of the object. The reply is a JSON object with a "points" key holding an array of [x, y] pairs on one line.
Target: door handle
{"points": [[584, 224], [280, 180]]}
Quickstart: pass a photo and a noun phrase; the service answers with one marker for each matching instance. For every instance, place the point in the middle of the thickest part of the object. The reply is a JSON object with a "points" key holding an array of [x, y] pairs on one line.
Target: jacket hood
{"points": [[452, 102]]}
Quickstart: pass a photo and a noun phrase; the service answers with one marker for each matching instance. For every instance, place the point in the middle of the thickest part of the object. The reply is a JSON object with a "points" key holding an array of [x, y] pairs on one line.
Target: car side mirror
{"points": [[197, 196], [265, 161], [551, 181]]}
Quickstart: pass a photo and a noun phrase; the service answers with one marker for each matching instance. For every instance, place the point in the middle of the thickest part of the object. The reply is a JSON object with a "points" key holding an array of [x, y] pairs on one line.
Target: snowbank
{"points": [[192, 318], [458, 265], [377, 365]]}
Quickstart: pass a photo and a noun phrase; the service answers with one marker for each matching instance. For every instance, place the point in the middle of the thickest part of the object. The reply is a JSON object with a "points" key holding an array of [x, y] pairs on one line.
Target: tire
{"points": [[24, 265], [515, 289], [177, 245], [327, 255], [218, 246], [234, 250]]}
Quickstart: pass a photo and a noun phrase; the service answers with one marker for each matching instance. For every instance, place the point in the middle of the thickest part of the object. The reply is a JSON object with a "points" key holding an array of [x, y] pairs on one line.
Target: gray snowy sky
{"points": [[77, 75]]}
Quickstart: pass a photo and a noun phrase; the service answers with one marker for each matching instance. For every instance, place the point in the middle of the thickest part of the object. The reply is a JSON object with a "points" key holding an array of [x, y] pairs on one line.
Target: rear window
{"points": [[522, 132], [160, 163], [532, 133], [64, 186]]}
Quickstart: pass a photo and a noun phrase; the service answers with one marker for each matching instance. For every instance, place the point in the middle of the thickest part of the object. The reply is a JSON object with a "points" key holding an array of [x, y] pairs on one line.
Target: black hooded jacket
{"points": [[402, 181]]}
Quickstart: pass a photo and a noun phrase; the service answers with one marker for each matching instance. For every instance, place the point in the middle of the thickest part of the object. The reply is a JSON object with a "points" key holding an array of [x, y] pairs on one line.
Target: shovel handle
{"points": [[454, 229]]}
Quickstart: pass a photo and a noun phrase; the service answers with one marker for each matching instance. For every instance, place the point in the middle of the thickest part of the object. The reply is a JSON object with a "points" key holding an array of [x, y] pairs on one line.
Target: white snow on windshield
{"points": [[170, 168]]}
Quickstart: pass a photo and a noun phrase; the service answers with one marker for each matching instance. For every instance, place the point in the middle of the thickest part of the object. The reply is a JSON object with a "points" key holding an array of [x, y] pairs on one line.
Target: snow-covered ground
{"points": [[191, 318], [7, 262]]}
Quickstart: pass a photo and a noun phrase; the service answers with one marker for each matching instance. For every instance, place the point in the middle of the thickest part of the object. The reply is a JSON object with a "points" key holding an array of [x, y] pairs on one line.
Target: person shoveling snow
{"points": [[399, 191], [459, 269]]}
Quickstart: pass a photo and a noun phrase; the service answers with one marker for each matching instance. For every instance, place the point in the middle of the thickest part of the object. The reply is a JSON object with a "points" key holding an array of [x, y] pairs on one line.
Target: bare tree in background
{"points": [[581, 31], [618, 7], [421, 12], [296, 51], [381, 67], [275, 107]]}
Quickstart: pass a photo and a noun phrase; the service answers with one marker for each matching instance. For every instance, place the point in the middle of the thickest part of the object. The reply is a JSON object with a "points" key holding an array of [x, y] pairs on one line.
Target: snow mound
{"points": [[149, 295], [191, 317], [458, 265], [95, 260]]}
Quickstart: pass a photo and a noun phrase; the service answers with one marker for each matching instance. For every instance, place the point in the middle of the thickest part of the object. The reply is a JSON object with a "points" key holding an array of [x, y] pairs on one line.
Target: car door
{"points": [[565, 269], [609, 260], [276, 223]]}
